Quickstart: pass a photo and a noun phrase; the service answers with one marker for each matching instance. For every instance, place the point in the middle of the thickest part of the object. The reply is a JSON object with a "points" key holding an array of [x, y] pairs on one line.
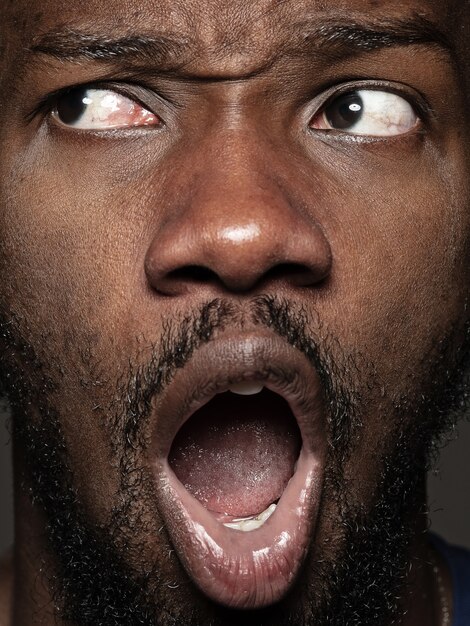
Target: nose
{"points": [[236, 229]]}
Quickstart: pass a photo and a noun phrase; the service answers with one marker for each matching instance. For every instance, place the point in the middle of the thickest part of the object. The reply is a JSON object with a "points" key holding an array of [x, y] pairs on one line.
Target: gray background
{"points": [[449, 490]]}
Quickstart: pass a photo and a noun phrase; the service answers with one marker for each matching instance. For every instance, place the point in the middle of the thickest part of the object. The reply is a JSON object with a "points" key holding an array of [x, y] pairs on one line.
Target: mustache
{"points": [[182, 336]]}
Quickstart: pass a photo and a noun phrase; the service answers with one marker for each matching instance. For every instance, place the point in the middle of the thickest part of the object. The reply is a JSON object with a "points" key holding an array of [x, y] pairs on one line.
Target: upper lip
{"points": [[229, 568], [228, 360]]}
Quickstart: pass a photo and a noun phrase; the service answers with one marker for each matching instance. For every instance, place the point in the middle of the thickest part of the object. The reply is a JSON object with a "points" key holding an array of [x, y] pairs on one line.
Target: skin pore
{"points": [[126, 253]]}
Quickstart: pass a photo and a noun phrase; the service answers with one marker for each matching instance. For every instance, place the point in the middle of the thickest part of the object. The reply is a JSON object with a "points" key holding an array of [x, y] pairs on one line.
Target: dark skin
{"points": [[101, 232]]}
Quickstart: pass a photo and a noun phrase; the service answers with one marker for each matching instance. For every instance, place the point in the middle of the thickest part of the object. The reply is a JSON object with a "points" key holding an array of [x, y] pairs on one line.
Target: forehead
{"points": [[222, 32]]}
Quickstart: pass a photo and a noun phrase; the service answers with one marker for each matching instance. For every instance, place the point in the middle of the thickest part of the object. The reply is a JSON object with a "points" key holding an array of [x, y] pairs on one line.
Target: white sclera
{"points": [[106, 109], [384, 114]]}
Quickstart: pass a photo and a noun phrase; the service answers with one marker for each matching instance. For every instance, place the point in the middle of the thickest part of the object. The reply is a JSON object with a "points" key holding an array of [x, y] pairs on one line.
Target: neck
{"points": [[429, 592]]}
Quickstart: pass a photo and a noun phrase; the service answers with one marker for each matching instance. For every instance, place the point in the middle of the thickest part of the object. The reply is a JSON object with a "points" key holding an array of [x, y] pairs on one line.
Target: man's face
{"points": [[201, 200]]}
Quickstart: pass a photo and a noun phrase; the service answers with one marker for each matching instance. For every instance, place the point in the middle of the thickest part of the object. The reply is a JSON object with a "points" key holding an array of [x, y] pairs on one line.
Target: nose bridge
{"points": [[235, 160], [236, 202], [234, 224]]}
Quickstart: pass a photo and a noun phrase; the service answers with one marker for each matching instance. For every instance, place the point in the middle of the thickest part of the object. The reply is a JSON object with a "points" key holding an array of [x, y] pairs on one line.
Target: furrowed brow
{"points": [[332, 39], [76, 46]]}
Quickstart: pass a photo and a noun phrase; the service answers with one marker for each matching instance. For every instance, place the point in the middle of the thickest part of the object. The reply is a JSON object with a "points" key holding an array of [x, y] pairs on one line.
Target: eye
{"points": [[367, 112], [86, 108]]}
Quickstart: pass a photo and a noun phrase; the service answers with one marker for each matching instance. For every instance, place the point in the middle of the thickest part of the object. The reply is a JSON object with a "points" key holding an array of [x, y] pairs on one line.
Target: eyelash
{"points": [[47, 104], [328, 93], [334, 90]]}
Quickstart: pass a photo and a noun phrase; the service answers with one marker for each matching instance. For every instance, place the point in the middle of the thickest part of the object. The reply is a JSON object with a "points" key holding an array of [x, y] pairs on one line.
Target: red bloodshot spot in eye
{"points": [[145, 118], [132, 114]]}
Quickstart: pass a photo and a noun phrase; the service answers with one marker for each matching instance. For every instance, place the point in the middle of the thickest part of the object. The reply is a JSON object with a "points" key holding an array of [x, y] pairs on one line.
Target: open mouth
{"points": [[237, 453], [240, 459]]}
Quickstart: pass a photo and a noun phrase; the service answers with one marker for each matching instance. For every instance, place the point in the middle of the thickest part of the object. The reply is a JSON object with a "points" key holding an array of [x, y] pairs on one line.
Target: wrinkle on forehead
{"points": [[230, 36], [218, 25]]}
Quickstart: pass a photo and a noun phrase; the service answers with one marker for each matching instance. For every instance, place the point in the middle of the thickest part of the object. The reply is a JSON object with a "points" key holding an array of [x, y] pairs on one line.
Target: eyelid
{"points": [[128, 90], [414, 97]]}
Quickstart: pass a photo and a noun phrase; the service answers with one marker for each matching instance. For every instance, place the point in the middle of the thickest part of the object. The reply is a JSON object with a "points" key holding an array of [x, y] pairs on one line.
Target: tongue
{"points": [[237, 453]]}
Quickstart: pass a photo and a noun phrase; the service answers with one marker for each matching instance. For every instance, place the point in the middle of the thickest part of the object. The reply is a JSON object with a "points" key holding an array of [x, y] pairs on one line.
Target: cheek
{"points": [[401, 265], [72, 244], [400, 288], [70, 275]]}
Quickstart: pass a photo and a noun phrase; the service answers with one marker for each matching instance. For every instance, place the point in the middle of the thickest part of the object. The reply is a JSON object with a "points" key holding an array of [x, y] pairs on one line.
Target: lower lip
{"points": [[245, 570]]}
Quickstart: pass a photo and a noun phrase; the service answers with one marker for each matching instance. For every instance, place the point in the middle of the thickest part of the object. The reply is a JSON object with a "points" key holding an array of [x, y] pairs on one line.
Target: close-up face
{"points": [[234, 241]]}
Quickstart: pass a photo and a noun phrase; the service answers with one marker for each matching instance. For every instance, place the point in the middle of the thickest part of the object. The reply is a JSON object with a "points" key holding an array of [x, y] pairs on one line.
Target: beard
{"points": [[101, 573]]}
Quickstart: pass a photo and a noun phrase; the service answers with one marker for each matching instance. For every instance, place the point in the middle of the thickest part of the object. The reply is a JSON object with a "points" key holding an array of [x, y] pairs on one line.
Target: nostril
{"points": [[296, 274], [193, 273], [197, 260], [179, 280]]}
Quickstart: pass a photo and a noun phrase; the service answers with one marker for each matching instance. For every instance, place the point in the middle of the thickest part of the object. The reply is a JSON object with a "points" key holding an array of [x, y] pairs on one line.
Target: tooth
{"points": [[246, 388], [246, 524]]}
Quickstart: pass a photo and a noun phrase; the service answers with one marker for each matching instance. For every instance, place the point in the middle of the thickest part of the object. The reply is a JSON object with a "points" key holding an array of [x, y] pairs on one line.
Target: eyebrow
{"points": [[73, 45], [330, 38], [340, 38]]}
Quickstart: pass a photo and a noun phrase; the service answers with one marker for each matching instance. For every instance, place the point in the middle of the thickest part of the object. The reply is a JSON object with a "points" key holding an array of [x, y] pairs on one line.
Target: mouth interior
{"points": [[237, 453]]}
